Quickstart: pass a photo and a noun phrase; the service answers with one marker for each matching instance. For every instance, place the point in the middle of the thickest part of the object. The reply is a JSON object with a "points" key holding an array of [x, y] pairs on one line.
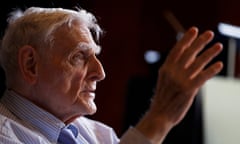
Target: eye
{"points": [[77, 59]]}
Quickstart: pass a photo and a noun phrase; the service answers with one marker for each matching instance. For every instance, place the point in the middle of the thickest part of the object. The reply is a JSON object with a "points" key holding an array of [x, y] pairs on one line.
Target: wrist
{"points": [[154, 127]]}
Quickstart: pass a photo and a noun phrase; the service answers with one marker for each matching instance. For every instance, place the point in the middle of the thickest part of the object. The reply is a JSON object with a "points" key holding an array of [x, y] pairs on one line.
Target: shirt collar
{"points": [[44, 122]]}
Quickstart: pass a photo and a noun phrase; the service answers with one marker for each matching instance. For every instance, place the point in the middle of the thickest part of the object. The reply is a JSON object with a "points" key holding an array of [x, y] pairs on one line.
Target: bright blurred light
{"points": [[179, 35], [152, 56], [229, 30]]}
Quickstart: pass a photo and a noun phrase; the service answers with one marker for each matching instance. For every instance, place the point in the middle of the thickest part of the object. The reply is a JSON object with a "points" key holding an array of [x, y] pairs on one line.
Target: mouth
{"points": [[89, 90], [90, 93]]}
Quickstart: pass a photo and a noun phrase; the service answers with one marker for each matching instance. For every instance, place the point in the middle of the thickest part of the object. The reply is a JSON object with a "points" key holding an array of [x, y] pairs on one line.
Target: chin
{"points": [[92, 112], [93, 109], [90, 109]]}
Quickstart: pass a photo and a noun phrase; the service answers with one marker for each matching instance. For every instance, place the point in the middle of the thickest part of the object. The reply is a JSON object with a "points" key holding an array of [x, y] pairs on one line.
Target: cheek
{"points": [[56, 80], [63, 80], [70, 80], [76, 84]]}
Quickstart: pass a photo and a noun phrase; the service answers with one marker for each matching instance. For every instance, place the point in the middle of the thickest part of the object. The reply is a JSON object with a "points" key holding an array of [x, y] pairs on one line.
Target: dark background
{"points": [[132, 27]]}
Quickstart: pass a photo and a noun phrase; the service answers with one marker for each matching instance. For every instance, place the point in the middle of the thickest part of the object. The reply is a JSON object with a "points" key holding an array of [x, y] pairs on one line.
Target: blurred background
{"points": [[138, 36]]}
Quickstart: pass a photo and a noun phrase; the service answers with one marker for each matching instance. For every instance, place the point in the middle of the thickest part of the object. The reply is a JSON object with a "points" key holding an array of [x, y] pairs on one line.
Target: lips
{"points": [[89, 93], [90, 89]]}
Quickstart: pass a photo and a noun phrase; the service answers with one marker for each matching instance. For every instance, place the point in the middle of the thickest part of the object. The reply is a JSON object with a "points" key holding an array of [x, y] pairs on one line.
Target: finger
{"points": [[211, 71], [182, 44], [190, 54], [203, 59]]}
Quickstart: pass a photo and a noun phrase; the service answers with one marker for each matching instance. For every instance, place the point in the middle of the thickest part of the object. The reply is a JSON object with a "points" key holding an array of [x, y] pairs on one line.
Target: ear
{"points": [[27, 59]]}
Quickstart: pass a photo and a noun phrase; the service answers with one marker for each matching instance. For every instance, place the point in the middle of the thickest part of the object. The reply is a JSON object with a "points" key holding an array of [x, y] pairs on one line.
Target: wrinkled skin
{"points": [[64, 81], [179, 80]]}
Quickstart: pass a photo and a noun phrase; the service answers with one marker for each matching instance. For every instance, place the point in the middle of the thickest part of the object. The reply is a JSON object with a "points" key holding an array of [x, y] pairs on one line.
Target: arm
{"points": [[179, 80]]}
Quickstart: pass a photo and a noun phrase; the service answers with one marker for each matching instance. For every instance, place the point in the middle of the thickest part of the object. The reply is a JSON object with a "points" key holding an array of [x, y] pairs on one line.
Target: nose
{"points": [[96, 70]]}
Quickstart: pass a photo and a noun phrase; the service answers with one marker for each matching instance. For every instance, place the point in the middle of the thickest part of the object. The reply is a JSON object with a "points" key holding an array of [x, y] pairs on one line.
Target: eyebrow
{"points": [[87, 46]]}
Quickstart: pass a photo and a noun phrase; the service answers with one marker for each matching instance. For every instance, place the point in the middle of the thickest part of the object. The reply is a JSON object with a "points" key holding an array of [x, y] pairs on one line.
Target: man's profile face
{"points": [[70, 74]]}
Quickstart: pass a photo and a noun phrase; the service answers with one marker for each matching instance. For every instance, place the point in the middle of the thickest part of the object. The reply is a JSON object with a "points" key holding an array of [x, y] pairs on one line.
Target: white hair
{"points": [[35, 27]]}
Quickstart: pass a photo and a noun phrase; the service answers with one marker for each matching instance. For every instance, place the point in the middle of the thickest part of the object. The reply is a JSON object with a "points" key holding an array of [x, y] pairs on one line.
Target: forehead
{"points": [[76, 36]]}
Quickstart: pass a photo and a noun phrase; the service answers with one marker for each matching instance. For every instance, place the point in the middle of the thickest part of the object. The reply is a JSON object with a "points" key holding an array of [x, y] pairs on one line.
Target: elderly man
{"points": [[49, 58]]}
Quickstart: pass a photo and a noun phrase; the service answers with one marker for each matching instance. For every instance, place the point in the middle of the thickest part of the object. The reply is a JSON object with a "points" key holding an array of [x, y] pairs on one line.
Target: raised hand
{"points": [[179, 79]]}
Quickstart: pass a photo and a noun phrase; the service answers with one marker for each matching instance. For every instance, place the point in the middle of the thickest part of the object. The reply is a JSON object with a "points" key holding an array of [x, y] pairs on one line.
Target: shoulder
{"points": [[7, 132], [14, 131], [5, 113]]}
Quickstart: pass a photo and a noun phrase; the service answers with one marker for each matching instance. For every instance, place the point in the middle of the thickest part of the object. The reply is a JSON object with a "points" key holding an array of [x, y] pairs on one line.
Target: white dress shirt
{"points": [[22, 122]]}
